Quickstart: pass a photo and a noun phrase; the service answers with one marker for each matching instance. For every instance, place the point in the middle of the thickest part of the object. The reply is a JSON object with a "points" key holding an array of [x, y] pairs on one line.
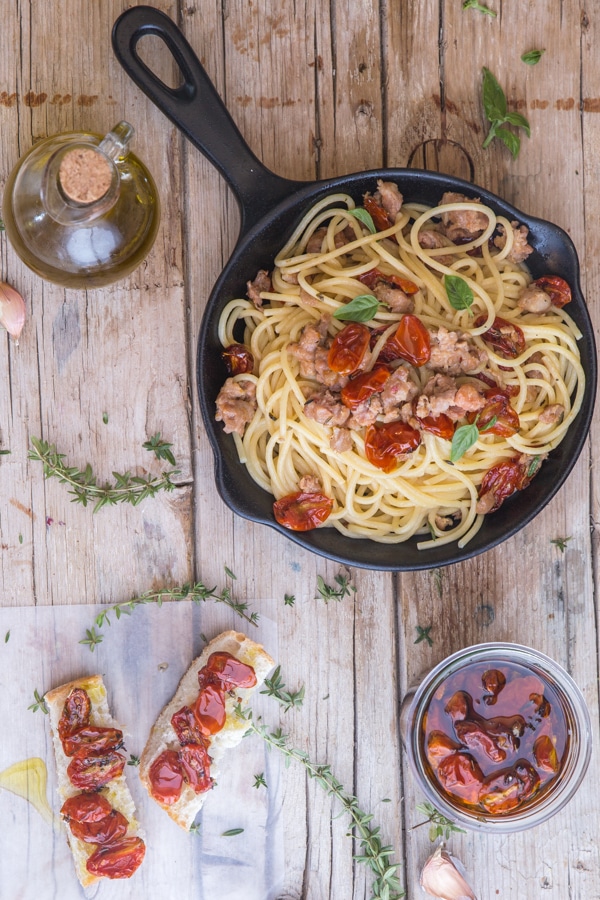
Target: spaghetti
{"points": [[399, 373]]}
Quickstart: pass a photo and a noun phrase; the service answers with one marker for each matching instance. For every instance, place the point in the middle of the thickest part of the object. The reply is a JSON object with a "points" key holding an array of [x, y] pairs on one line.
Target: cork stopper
{"points": [[85, 175]]}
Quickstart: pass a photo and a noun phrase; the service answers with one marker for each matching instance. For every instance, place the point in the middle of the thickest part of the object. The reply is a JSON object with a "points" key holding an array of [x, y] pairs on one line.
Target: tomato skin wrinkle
{"points": [[381, 218], [384, 443], [86, 808], [441, 426], [557, 289], [231, 672], [90, 771], [92, 737], [360, 387], [238, 359], [413, 340], [498, 407], [348, 348], [303, 510], [118, 860], [505, 337], [76, 713], [166, 777], [108, 830], [371, 278]]}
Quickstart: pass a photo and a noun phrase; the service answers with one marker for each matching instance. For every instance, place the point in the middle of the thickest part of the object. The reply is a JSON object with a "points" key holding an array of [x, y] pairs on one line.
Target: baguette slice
{"points": [[116, 791], [163, 737]]}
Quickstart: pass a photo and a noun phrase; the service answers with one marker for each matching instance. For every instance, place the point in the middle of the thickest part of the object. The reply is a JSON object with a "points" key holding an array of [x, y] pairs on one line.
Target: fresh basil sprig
{"points": [[532, 57], [495, 106], [460, 295], [363, 216], [361, 309], [465, 436]]}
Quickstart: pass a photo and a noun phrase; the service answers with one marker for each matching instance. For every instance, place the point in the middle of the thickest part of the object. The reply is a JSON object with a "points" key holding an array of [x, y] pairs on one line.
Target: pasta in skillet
{"points": [[399, 373]]}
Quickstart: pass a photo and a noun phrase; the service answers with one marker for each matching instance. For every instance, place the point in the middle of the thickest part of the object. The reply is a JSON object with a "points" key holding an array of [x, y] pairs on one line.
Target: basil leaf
{"points": [[512, 141], [532, 57], [460, 295], [463, 438], [474, 4], [489, 425], [363, 216], [494, 98], [520, 121], [361, 309]]}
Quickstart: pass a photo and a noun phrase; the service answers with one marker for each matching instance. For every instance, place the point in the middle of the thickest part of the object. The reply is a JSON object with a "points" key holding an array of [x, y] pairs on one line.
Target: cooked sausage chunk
{"points": [[453, 352], [261, 282], [236, 405], [534, 299], [520, 249], [462, 225]]}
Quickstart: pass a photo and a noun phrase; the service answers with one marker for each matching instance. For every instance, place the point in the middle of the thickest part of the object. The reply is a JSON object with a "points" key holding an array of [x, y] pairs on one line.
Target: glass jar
{"points": [[446, 695], [81, 210]]}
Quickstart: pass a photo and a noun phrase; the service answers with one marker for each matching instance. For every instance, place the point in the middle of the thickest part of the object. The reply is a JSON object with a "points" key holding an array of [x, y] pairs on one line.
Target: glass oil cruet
{"points": [[82, 210]]}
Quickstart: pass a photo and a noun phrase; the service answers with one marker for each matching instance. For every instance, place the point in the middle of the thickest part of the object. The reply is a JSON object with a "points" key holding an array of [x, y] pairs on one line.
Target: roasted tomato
{"points": [[381, 218], [474, 736], [166, 777], [441, 426], [384, 443], [238, 359], [303, 510], [348, 348], [86, 808], [209, 709], [493, 682], [185, 726], [557, 289], [75, 714], [195, 764], [92, 737], [505, 478], [93, 770], [412, 341], [108, 830], [545, 754], [118, 860], [371, 278], [232, 673], [439, 745], [360, 387], [460, 775], [506, 338], [498, 411]]}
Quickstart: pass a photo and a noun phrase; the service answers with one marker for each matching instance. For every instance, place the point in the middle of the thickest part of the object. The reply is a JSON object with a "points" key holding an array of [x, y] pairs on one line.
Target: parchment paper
{"points": [[43, 651]]}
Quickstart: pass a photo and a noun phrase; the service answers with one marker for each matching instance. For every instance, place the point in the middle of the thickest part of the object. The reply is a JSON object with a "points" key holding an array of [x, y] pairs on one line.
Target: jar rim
{"points": [[578, 721]]}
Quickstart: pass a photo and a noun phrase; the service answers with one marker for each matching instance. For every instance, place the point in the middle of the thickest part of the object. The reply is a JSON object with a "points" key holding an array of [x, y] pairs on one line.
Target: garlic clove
{"points": [[440, 878], [12, 309]]}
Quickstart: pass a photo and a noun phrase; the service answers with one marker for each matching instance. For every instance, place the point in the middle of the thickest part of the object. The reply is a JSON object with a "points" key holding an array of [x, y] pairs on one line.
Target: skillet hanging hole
{"points": [[150, 50], [439, 155]]}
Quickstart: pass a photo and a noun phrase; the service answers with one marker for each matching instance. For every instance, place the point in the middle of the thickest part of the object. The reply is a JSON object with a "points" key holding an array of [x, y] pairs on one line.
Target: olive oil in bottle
{"points": [[81, 210]]}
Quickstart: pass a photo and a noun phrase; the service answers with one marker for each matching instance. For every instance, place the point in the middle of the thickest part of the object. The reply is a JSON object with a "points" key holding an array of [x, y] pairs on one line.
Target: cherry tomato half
{"points": [[557, 289], [505, 337], [166, 777], [93, 770], [303, 510], [360, 387], [209, 709], [441, 426], [238, 359], [86, 808], [92, 737], [186, 727], [232, 672], [195, 764], [75, 714], [497, 408], [381, 218], [371, 278], [118, 860], [505, 478], [384, 443], [108, 830], [412, 341], [348, 348]]}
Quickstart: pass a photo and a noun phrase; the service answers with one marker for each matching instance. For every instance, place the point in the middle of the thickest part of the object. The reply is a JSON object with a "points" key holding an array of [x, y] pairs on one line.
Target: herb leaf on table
{"points": [[496, 111]]}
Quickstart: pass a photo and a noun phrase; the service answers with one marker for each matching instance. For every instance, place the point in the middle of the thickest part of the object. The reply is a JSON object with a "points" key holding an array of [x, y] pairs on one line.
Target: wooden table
{"points": [[317, 90]]}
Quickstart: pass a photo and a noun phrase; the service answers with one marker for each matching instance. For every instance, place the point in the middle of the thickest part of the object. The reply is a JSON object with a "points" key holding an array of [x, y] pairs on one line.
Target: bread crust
{"points": [[116, 791], [163, 737]]}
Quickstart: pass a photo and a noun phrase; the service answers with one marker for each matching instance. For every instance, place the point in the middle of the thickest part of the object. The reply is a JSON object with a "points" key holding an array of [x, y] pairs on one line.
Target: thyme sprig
{"points": [[327, 592], [197, 592], [39, 703], [275, 687], [84, 487], [374, 854], [439, 825], [92, 638]]}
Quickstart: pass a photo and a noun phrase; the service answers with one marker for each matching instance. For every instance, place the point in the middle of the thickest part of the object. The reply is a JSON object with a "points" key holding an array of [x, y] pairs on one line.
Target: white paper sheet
{"points": [[43, 651]]}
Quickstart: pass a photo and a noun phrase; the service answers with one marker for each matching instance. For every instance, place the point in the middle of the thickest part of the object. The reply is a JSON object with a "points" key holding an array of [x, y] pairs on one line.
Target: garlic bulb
{"points": [[440, 878], [12, 309]]}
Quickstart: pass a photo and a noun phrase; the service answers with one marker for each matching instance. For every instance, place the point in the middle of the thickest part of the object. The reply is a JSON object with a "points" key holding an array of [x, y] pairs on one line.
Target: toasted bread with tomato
{"points": [[71, 750], [166, 743]]}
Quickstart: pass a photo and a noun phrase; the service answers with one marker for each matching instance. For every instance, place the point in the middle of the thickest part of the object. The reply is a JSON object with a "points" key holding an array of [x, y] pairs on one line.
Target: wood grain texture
{"points": [[317, 90]]}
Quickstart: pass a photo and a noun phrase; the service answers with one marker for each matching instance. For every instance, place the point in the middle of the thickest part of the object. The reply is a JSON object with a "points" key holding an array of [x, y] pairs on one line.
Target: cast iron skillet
{"points": [[270, 207]]}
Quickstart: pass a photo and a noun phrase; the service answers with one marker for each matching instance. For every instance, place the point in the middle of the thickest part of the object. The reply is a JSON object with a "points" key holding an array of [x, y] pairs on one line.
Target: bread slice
{"points": [[116, 791], [163, 737]]}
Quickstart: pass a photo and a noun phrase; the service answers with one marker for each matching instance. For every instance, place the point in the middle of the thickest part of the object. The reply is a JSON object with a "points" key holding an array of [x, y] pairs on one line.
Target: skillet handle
{"points": [[197, 110]]}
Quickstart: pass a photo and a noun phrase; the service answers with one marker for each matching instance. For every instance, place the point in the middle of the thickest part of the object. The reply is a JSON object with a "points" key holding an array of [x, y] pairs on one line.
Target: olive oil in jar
{"points": [[81, 210]]}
